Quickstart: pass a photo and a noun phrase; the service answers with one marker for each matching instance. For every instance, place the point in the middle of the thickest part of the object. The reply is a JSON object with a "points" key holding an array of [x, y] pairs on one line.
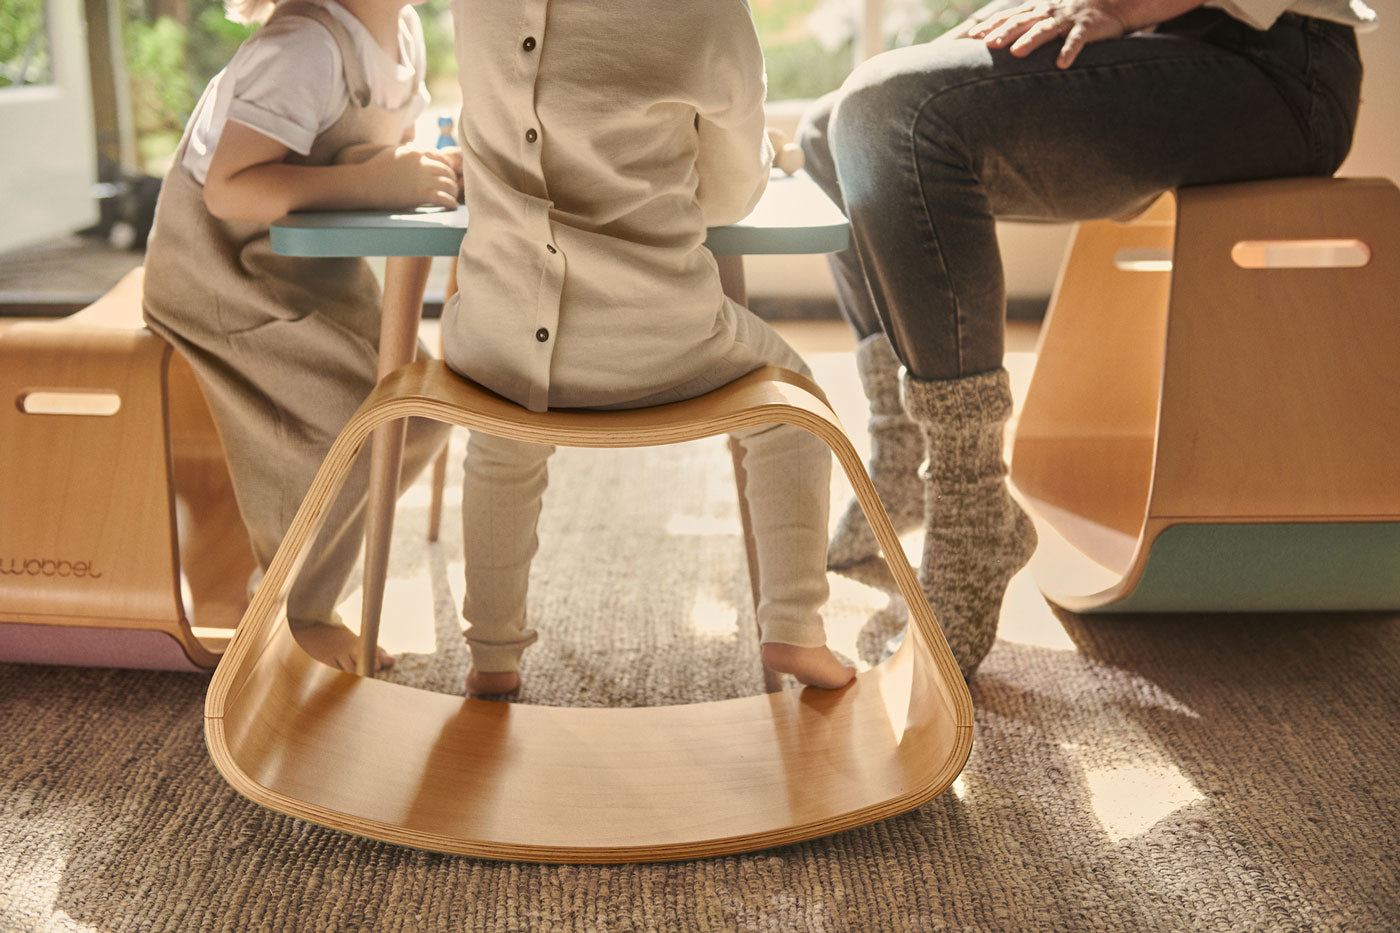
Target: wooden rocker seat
{"points": [[551, 784], [1214, 419], [113, 490]]}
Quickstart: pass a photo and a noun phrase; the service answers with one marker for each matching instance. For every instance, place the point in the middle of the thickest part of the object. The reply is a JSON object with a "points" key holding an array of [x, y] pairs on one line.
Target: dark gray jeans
{"points": [[926, 146]]}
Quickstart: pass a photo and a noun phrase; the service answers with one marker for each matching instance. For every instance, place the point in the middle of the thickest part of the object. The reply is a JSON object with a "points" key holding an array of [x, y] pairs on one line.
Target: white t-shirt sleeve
{"points": [[287, 82], [416, 54], [417, 46], [1257, 13], [1261, 14]]}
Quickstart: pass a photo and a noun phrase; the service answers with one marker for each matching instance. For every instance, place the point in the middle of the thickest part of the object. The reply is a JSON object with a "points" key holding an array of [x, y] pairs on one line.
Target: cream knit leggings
{"points": [[788, 495]]}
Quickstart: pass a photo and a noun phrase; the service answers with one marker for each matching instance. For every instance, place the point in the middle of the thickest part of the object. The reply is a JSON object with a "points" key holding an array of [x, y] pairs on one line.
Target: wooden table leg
{"points": [[440, 464], [405, 278], [731, 278]]}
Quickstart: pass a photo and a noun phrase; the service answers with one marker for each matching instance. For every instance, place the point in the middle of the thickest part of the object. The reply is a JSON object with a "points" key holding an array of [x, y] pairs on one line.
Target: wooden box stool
{"points": [[551, 784], [120, 541], [1214, 418]]}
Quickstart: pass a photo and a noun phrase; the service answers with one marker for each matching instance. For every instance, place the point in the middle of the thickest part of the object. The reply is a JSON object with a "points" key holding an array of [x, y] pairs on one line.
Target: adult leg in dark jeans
{"points": [[926, 147]]}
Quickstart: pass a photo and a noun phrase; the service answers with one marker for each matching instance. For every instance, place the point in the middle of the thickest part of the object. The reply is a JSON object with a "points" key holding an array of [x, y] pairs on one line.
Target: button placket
{"points": [[530, 131], [527, 71]]}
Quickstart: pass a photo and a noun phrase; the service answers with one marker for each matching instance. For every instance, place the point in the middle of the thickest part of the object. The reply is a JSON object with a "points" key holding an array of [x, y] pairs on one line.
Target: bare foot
{"points": [[815, 667], [491, 683], [336, 646]]}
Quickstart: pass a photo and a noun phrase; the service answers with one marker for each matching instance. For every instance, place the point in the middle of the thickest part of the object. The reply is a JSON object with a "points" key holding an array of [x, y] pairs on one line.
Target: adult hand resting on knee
{"points": [[1023, 29]]}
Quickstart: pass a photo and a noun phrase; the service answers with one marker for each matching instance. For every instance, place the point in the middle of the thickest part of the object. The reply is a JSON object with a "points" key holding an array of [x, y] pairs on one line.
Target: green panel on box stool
{"points": [[1299, 566]]}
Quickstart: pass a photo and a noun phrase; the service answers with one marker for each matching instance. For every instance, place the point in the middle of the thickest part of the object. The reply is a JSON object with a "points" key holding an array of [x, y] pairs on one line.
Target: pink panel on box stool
{"points": [[78, 646]]}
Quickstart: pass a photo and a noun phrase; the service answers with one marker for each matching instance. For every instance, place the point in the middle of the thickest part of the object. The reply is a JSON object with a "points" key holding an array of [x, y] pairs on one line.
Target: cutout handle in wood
{"points": [[83, 402], [1300, 254]]}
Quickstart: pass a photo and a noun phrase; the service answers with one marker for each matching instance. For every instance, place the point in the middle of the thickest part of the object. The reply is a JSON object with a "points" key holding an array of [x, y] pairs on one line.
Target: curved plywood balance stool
{"points": [[582, 785], [1214, 419], [113, 490]]}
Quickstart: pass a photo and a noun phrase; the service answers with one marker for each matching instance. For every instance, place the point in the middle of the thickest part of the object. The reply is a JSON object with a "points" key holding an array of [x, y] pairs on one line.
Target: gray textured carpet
{"points": [[1223, 773]]}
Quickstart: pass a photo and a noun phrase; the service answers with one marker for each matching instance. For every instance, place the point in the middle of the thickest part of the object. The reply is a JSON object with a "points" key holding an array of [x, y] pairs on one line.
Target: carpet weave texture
{"points": [[1217, 773]]}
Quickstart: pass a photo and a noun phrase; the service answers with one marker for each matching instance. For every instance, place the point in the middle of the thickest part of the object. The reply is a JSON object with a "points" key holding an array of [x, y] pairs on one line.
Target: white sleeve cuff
{"points": [[1257, 13], [274, 126]]}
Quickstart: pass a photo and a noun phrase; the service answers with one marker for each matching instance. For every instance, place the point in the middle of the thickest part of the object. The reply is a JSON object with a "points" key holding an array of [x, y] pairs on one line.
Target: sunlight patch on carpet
{"points": [[703, 525], [959, 787], [33, 878], [713, 617], [408, 620], [420, 496], [1130, 799], [848, 610], [1027, 619]]}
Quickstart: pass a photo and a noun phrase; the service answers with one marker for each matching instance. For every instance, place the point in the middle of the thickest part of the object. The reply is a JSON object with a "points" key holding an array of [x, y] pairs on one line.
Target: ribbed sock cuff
{"points": [[879, 369], [964, 423], [980, 399]]}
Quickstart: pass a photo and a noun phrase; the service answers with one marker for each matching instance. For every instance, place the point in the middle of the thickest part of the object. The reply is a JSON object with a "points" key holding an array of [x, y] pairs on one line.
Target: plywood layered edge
{"points": [[139, 497], [544, 784], [1208, 437]]}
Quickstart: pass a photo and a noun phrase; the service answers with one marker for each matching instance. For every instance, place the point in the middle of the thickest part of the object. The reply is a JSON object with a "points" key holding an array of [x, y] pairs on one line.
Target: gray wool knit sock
{"points": [[896, 452], [975, 535]]}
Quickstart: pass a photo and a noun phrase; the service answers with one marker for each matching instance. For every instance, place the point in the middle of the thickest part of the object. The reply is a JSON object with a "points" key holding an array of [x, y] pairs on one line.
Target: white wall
{"points": [[47, 159], [1031, 253], [1376, 150]]}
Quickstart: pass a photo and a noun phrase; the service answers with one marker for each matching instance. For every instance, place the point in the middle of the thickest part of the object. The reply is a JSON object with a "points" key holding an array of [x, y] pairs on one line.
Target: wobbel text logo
{"points": [[47, 567]]}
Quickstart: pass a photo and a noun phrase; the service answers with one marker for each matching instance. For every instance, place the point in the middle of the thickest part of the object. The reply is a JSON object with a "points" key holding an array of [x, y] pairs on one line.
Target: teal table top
{"points": [[794, 216]]}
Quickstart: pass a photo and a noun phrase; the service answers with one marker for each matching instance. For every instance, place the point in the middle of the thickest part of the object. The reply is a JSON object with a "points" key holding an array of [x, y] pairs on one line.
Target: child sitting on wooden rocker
{"points": [[600, 140]]}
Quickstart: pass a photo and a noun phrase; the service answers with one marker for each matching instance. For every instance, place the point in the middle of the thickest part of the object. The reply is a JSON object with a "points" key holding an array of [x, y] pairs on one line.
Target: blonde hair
{"points": [[249, 12]]}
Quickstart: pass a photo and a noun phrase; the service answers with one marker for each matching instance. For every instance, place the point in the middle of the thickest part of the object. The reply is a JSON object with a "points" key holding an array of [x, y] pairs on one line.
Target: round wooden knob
{"points": [[787, 155]]}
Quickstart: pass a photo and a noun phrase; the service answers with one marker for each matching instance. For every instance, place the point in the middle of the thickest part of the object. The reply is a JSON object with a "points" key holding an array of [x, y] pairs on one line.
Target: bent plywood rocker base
{"points": [[582, 785], [113, 489], [1214, 419]]}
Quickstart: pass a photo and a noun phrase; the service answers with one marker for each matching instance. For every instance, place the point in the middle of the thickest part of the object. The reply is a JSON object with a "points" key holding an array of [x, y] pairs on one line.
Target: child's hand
{"points": [[787, 155], [453, 155], [405, 176], [360, 152]]}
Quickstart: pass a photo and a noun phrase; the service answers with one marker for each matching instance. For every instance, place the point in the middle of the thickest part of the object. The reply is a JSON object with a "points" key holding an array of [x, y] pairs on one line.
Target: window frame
{"points": [[47, 147]]}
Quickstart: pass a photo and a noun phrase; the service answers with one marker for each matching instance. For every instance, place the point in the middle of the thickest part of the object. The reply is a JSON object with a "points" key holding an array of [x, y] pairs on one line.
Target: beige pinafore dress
{"points": [[285, 348]]}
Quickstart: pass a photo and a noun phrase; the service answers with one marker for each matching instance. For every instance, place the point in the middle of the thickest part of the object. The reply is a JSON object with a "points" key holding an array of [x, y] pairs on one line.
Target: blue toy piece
{"points": [[445, 137]]}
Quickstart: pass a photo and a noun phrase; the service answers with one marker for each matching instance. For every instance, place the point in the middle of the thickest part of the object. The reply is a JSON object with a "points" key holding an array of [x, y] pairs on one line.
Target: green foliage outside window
{"points": [[808, 45], [173, 48], [160, 85], [24, 44]]}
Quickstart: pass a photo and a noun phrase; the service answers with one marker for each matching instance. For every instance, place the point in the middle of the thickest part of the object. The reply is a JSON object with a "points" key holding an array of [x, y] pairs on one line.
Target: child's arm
{"points": [[734, 152], [733, 166], [248, 180]]}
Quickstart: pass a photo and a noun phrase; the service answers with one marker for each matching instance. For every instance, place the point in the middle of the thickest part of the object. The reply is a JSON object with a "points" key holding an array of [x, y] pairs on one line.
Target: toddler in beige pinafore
{"points": [[312, 113]]}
